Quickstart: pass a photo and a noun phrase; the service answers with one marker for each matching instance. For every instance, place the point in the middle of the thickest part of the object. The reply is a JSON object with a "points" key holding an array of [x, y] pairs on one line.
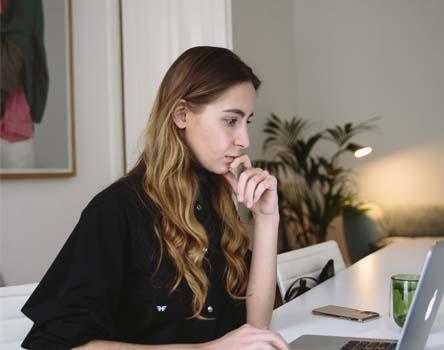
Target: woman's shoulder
{"points": [[122, 212], [126, 193]]}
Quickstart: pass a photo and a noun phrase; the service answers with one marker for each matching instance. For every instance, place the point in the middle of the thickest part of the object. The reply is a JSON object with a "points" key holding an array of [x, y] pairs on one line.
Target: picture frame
{"points": [[46, 148]]}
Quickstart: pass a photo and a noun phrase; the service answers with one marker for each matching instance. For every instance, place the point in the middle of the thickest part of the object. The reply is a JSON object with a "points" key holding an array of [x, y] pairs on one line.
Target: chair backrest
{"points": [[307, 261], [13, 324]]}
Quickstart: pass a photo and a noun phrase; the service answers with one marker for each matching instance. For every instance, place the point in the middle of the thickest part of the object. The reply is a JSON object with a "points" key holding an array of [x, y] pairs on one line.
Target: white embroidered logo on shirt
{"points": [[161, 308]]}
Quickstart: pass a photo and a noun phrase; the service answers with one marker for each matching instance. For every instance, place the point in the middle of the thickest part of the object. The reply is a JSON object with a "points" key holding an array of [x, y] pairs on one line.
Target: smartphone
{"points": [[345, 313]]}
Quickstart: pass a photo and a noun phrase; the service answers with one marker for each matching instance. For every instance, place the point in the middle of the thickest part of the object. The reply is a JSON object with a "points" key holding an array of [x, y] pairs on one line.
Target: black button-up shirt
{"points": [[103, 285]]}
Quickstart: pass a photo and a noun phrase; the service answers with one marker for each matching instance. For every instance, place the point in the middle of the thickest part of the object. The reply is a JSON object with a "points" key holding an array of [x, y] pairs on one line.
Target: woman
{"points": [[157, 260]]}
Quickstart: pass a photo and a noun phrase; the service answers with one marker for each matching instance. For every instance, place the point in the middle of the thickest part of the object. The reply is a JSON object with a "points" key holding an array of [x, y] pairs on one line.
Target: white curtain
{"points": [[155, 33]]}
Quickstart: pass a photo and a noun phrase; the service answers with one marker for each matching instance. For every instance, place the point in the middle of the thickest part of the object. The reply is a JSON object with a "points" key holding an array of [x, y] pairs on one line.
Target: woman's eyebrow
{"points": [[238, 111]]}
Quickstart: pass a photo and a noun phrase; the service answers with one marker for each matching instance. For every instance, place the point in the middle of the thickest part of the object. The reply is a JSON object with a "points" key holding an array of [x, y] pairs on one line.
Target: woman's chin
{"points": [[220, 169]]}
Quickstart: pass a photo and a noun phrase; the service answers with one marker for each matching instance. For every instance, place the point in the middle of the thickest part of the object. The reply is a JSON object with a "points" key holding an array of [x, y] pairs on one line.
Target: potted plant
{"points": [[313, 189]]}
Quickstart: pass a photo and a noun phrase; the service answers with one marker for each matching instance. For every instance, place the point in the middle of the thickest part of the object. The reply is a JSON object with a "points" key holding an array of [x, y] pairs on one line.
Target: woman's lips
{"points": [[229, 158]]}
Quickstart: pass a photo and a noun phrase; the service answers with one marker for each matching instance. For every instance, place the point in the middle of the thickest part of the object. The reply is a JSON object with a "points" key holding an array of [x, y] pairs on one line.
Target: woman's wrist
{"points": [[266, 218]]}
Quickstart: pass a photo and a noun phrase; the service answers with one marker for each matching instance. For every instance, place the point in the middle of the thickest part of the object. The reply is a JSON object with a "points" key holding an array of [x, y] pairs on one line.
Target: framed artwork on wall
{"points": [[37, 138]]}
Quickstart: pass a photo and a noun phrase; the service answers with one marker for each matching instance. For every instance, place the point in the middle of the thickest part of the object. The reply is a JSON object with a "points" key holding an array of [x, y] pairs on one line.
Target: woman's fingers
{"points": [[269, 183], [272, 338], [262, 337], [231, 178], [243, 159], [245, 177], [252, 182], [252, 185], [248, 337]]}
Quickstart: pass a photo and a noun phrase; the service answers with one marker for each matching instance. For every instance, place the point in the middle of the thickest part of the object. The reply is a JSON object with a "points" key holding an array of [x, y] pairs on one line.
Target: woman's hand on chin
{"points": [[255, 188]]}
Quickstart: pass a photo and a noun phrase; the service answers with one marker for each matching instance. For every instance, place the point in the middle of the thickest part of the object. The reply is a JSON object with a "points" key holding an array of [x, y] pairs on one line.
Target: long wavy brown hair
{"points": [[198, 76]]}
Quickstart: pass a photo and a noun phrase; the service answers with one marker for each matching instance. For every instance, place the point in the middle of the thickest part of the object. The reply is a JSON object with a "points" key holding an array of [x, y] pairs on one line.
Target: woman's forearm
{"points": [[111, 345], [262, 280]]}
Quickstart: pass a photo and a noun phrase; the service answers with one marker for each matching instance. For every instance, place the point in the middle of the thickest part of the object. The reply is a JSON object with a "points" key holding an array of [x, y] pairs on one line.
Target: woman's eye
{"points": [[230, 121], [233, 121]]}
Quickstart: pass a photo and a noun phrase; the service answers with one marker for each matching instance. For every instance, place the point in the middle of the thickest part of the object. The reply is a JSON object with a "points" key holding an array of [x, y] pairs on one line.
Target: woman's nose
{"points": [[242, 138]]}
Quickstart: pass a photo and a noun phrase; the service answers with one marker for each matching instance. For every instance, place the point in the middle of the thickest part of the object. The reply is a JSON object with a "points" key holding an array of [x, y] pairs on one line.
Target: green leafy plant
{"points": [[313, 189]]}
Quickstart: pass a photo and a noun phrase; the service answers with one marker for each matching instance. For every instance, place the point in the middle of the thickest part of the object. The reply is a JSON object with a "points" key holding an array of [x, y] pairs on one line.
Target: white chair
{"points": [[305, 262], [13, 324]]}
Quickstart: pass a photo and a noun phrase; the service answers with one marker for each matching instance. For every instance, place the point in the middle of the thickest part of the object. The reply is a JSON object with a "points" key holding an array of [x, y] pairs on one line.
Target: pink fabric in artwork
{"points": [[16, 123]]}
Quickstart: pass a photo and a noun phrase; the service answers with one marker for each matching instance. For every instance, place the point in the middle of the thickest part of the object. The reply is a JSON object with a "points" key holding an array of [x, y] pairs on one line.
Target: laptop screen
{"points": [[426, 301]]}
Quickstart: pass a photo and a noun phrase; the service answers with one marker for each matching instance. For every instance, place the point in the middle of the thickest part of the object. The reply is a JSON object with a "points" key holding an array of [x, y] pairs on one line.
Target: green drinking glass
{"points": [[402, 292]]}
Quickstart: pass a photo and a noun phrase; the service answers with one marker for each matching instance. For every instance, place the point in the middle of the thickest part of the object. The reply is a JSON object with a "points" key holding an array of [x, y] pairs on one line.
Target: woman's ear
{"points": [[180, 114]]}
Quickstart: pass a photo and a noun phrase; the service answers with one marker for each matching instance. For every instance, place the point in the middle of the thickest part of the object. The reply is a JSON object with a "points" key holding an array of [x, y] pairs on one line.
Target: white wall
{"points": [[330, 61], [341, 61], [38, 215], [346, 60], [358, 59], [263, 38], [51, 148], [154, 35]]}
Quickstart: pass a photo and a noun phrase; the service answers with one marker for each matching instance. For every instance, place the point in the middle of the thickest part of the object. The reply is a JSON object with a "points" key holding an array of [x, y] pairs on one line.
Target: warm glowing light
{"points": [[362, 152], [412, 176], [358, 150]]}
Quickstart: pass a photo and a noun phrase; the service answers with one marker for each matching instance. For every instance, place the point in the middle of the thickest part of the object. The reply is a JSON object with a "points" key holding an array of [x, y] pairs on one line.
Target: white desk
{"points": [[364, 285]]}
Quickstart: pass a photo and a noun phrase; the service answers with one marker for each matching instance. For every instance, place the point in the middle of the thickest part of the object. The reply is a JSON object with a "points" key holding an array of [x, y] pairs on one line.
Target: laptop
{"points": [[417, 325]]}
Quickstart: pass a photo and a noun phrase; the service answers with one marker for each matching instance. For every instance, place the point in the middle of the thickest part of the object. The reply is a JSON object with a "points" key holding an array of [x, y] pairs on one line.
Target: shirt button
{"points": [[210, 309], [198, 207]]}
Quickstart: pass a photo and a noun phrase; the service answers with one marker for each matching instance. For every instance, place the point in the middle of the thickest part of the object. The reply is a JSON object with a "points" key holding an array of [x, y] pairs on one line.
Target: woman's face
{"points": [[218, 132]]}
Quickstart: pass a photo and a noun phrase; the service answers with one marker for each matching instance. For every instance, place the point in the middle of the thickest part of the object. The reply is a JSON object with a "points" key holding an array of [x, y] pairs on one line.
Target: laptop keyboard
{"points": [[366, 345]]}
